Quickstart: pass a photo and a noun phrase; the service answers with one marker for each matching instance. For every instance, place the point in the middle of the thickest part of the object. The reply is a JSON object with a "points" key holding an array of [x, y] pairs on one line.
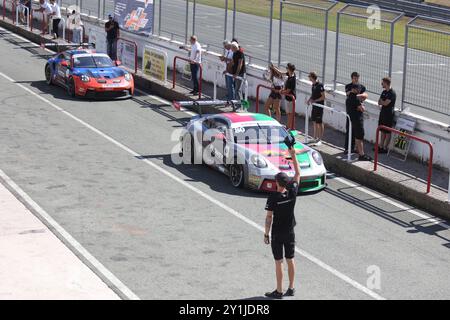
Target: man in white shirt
{"points": [[227, 58], [46, 8], [75, 24], [195, 58], [56, 18]]}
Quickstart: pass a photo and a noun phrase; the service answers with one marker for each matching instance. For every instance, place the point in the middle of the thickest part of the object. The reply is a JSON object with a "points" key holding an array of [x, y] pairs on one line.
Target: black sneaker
{"points": [[364, 158], [289, 292], [382, 151], [193, 92], [274, 295]]}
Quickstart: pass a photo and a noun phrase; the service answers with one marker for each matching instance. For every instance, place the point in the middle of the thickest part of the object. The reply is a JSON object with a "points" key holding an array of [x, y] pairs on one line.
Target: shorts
{"points": [[275, 95], [286, 242], [358, 129], [386, 120], [289, 106], [317, 114]]}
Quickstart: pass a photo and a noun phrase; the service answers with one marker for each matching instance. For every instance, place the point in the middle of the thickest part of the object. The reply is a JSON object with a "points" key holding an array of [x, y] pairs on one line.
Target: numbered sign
{"points": [[401, 144]]}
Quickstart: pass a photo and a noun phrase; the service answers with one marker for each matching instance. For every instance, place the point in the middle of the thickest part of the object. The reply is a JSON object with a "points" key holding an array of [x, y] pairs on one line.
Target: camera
{"points": [[289, 141]]}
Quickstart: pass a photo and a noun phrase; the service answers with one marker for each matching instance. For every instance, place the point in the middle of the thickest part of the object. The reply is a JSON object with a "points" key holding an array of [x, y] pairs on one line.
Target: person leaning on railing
{"points": [[227, 58], [47, 10]]}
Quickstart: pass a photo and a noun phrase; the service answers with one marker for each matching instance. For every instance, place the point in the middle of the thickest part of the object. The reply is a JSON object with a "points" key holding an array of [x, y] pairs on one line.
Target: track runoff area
{"points": [[100, 176]]}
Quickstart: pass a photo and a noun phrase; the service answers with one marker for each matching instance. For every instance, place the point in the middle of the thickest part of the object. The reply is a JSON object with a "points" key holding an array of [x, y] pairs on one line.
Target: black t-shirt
{"points": [[352, 103], [112, 34], [316, 91], [390, 108], [238, 55], [361, 89], [282, 205], [291, 83]]}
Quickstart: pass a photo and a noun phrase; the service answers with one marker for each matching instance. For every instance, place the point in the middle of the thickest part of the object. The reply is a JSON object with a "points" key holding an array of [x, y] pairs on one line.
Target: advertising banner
{"points": [[155, 63], [134, 16], [126, 53]]}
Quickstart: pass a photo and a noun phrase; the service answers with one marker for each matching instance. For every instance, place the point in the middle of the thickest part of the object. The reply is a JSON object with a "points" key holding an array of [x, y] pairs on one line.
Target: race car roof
{"points": [[90, 54], [247, 118]]}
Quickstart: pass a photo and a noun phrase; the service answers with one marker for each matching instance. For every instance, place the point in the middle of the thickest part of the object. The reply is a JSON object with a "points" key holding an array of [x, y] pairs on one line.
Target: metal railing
{"points": [[174, 74], [135, 58], [350, 132], [412, 137], [258, 89]]}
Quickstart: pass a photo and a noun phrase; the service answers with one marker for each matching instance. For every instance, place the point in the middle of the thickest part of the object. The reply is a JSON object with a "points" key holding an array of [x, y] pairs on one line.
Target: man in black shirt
{"points": [[362, 96], [112, 33], [238, 70], [281, 219], [356, 110], [387, 105], [317, 97]]}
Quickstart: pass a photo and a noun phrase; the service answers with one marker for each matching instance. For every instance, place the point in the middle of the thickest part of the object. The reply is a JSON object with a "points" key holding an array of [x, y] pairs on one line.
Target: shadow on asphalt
{"points": [[416, 226]]}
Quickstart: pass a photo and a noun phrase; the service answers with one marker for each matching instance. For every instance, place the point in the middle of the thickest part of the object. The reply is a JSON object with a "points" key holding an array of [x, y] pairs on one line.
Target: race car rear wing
{"points": [[63, 47], [198, 104]]}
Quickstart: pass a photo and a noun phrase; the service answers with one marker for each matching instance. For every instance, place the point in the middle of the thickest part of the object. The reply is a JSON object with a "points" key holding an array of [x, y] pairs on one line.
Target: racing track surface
{"points": [[103, 171]]}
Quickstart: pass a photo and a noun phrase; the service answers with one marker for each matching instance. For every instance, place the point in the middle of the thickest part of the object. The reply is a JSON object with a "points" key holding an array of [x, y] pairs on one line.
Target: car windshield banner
{"points": [[134, 15]]}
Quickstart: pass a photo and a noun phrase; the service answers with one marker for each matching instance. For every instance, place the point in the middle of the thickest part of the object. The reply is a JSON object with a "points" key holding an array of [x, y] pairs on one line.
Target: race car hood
{"points": [[278, 155], [108, 73]]}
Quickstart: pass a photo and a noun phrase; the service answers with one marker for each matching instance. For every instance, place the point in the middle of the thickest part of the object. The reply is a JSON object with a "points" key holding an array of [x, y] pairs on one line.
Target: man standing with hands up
{"points": [[281, 219]]}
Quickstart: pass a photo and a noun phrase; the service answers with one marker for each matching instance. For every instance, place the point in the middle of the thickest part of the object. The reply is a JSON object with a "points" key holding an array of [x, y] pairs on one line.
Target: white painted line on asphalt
{"points": [[303, 253], [98, 268], [394, 203]]}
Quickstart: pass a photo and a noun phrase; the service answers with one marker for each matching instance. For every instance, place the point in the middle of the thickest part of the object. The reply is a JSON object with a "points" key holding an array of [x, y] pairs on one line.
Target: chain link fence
{"points": [[304, 24], [210, 22], [364, 43], [426, 76]]}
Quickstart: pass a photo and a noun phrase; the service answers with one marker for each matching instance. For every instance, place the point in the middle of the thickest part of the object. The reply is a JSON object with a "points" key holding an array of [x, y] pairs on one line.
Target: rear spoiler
{"points": [[62, 46], [198, 104]]}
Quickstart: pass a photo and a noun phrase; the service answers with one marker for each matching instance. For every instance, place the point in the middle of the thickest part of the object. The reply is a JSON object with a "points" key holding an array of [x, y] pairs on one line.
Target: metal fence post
{"points": [[337, 51], [98, 9], [226, 20], [324, 65], [159, 18], [187, 22], [234, 19], [104, 9], [153, 17], [270, 31], [193, 16], [280, 32], [405, 64]]}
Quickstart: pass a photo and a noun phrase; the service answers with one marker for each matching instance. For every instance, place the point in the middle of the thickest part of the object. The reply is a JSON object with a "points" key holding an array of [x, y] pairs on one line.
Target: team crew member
{"points": [[46, 8], [281, 220], [195, 59], [356, 112], [56, 18], [227, 58], [238, 70], [112, 34], [387, 105], [274, 100], [75, 24], [290, 87], [362, 96], [317, 97]]}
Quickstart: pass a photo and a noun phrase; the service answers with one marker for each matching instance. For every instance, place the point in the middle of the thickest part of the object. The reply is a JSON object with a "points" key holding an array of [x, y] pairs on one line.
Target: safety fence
{"points": [[299, 31], [127, 54]]}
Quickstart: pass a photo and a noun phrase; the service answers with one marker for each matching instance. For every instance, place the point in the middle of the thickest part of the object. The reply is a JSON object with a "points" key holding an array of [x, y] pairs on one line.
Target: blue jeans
{"points": [[194, 72], [230, 87]]}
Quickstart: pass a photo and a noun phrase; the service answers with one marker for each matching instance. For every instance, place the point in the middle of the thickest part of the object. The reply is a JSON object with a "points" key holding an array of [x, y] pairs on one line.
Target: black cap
{"points": [[282, 179]]}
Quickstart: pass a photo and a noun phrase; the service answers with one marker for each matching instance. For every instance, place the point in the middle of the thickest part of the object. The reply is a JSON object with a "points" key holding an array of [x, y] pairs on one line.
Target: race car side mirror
{"points": [[65, 63], [293, 133]]}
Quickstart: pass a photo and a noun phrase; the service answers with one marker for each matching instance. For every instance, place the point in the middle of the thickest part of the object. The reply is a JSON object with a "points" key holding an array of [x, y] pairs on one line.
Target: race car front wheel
{"points": [[48, 74], [237, 175], [71, 88]]}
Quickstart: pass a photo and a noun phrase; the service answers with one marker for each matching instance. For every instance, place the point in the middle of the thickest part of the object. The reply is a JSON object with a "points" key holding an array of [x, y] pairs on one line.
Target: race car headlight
{"points": [[258, 161], [127, 76], [84, 78], [317, 158]]}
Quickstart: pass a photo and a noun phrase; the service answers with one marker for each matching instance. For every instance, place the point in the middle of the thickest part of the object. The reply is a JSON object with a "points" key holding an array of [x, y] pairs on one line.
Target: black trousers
{"points": [[56, 26], [347, 128]]}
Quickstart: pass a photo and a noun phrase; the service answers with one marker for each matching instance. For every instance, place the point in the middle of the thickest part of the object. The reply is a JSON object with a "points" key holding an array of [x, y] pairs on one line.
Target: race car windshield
{"points": [[259, 135], [93, 62]]}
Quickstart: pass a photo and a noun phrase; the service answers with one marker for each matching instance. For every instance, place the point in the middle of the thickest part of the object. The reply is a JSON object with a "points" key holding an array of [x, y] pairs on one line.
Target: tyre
{"points": [[48, 74], [71, 87], [237, 175]]}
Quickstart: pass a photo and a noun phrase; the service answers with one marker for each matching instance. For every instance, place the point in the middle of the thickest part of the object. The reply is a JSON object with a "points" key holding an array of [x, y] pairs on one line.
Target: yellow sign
{"points": [[155, 63]]}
